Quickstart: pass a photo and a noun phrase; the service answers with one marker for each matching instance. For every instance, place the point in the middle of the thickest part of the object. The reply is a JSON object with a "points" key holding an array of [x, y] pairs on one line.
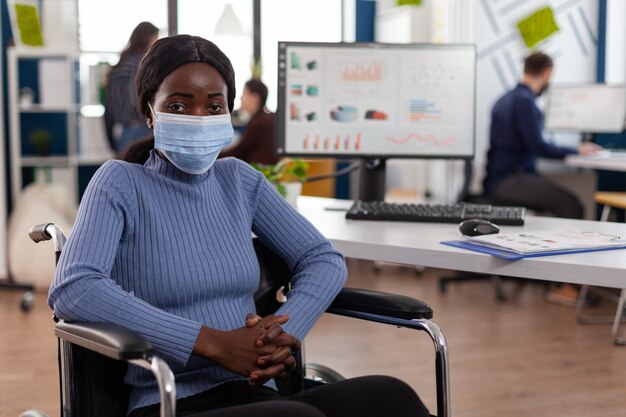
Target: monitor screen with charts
{"points": [[589, 108], [376, 100]]}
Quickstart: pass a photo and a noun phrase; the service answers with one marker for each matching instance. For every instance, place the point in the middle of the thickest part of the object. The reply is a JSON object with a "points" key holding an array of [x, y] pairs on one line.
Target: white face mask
{"points": [[192, 143]]}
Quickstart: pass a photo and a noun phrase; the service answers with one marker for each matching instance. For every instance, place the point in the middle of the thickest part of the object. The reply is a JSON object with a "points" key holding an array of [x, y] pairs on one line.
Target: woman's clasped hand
{"points": [[260, 350]]}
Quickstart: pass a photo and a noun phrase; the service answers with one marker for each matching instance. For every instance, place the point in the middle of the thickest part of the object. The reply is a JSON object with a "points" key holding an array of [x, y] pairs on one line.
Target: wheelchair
{"points": [[93, 357]]}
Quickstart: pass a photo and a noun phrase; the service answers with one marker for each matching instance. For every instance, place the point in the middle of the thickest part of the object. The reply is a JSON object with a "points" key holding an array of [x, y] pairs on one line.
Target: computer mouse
{"points": [[477, 227]]}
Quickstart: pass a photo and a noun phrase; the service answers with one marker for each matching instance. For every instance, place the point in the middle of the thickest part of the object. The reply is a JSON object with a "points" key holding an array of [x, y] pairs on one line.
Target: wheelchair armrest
{"points": [[110, 340], [380, 303]]}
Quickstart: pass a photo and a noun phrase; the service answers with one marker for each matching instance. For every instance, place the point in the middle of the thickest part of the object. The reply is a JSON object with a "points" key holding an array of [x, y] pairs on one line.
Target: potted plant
{"points": [[287, 176], [41, 140]]}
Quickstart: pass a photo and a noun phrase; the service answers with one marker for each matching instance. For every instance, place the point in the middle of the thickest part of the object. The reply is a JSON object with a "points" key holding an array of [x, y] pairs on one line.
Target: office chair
{"points": [[93, 356], [26, 302], [610, 200], [466, 197]]}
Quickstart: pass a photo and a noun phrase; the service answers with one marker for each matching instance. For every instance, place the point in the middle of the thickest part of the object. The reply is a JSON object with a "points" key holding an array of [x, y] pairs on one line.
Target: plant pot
{"points": [[293, 191]]}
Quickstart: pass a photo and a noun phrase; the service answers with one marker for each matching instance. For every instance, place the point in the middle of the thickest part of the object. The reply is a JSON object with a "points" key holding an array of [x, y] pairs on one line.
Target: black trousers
{"points": [[537, 193], [369, 396]]}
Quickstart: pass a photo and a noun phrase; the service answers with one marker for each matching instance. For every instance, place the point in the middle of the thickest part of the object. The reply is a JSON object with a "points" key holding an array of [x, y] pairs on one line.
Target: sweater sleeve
{"points": [[529, 127], [83, 289], [319, 269]]}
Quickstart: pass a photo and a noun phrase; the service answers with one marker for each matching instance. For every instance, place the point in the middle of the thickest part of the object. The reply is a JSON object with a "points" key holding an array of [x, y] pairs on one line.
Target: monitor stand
{"points": [[372, 179]]}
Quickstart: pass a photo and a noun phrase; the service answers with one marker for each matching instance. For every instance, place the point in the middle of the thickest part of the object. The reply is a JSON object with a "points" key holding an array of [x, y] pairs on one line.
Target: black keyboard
{"points": [[435, 213]]}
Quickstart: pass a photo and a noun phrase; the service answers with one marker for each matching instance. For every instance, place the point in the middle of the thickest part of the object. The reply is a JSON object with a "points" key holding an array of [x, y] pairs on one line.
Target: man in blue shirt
{"points": [[516, 143]]}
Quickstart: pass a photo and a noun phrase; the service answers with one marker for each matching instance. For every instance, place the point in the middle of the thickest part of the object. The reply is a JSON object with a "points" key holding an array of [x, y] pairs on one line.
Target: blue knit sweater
{"points": [[163, 252]]}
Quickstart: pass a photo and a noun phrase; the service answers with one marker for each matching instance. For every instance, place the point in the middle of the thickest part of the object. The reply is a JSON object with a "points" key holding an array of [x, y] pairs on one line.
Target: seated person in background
{"points": [[162, 245], [257, 141], [516, 141], [123, 122], [515, 144]]}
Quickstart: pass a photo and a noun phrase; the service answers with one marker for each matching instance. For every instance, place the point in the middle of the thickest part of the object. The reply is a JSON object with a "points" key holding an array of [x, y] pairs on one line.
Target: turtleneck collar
{"points": [[167, 169]]}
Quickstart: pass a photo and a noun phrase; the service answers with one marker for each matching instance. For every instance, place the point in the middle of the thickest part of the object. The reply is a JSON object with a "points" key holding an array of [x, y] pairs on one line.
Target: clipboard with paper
{"points": [[513, 246]]}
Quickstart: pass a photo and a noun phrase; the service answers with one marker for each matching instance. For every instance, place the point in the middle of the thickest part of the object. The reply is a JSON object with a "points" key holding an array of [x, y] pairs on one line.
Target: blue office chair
{"points": [[93, 356]]}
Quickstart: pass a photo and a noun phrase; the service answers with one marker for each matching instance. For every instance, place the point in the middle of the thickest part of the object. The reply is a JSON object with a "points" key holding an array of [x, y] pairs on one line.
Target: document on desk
{"points": [[608, 154], [513, 246]]}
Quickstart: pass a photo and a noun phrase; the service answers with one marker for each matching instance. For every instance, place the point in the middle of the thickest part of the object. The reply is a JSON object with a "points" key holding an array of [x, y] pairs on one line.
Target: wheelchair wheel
{"points": [[322, 374], [33, 413], [26, 303]]}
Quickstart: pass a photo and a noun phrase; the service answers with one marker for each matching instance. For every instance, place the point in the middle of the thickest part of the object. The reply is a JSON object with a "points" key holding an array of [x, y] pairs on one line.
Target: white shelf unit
{"points": [[66, 103]]}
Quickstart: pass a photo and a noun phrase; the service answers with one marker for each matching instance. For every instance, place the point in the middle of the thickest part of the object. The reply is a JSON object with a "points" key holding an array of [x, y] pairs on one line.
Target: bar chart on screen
{"points": [[332, 142], [362, 72], [421, 109]]}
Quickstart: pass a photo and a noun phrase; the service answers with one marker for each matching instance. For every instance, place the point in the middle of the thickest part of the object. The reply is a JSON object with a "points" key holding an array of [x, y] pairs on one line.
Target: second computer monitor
{"points": [[376, 100], [589, 108]]}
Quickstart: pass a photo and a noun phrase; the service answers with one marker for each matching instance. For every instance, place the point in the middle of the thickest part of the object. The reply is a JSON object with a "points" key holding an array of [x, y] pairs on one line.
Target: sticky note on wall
{"points": [[27, 20], [538, 26], [408, 2]]}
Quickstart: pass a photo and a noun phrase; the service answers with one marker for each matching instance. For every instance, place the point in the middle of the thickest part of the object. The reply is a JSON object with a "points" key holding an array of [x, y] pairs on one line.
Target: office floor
{"points": [[515, 359]]}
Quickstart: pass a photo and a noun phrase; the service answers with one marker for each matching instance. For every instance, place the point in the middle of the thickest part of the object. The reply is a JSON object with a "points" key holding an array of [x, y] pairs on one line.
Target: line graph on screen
{"points": [[431, 139]]}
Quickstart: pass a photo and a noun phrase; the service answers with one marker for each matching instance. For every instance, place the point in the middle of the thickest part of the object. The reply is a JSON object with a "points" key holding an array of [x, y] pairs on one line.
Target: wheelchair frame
{"points": [[121, 344]]}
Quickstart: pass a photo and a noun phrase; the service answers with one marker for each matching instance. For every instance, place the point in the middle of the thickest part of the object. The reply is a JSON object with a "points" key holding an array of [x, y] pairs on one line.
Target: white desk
{"points": [[418, 244], [609, 163]]}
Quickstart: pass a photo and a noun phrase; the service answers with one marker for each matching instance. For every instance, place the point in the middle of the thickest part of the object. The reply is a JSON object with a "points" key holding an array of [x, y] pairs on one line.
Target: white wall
{"points": [[434, 21], [491, 25], [349, 20], [501, 53], [616, 42]]}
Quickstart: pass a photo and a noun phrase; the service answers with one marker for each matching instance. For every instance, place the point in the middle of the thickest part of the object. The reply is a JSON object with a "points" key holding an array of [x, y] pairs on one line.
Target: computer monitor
{"points": [[376, 101], [588, 108]]}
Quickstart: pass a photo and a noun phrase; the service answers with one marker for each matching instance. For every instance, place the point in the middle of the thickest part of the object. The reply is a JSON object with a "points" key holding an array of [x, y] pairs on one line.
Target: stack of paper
{"points": [[515, 246], [548, 241]]}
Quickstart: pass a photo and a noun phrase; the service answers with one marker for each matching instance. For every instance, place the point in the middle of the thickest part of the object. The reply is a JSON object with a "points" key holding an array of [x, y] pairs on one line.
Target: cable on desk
{"points": [[352, 167]]}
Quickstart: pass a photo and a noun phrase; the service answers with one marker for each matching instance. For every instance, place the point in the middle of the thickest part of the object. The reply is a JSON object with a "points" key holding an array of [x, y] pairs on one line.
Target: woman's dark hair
{"points": [[162, 58], [168, 54], [137, 151], [139, 40], [536, 63], [256, 86]]}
